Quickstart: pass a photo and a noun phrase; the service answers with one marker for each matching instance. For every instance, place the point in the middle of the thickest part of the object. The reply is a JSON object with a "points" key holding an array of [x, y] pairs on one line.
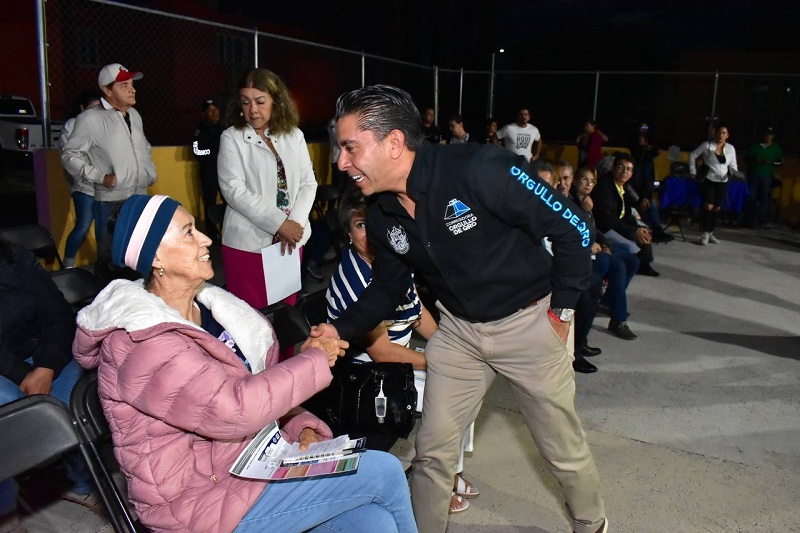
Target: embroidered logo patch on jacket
{"points": [[398, 239], [459, 217]]}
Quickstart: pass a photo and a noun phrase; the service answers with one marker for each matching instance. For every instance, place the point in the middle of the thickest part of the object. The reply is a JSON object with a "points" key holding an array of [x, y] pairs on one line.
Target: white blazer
{"points": [[248, 180]]}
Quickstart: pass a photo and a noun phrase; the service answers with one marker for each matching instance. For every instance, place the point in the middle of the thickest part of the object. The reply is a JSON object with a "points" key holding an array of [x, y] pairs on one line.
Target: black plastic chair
{"points": [[93, 428], [34, 238], [215, 214], [314, 306], [291, 328], [34, 430], [79, 286], [326, 208]]}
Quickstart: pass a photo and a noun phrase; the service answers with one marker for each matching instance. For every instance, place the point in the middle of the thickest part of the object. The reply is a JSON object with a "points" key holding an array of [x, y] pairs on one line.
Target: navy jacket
{"points": [[476, 239]]}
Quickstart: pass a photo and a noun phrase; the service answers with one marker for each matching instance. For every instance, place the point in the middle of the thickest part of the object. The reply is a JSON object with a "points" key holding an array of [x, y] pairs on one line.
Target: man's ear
{"points": [[397, 143]]}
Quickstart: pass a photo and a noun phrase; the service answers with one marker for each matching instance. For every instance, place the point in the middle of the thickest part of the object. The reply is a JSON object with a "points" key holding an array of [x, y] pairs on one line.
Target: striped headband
{"points": [[141, 224]]}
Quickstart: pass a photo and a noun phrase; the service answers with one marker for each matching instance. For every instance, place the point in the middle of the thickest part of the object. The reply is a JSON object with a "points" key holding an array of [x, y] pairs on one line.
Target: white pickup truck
{"points": [[21, 131]]}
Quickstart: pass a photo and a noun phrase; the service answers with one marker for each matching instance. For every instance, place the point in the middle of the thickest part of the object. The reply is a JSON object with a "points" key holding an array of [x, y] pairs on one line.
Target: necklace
{"points": [[367, 261]]}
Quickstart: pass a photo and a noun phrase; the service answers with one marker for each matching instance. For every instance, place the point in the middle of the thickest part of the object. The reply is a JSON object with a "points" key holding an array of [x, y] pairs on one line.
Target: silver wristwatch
{"points": [[563, 314]]}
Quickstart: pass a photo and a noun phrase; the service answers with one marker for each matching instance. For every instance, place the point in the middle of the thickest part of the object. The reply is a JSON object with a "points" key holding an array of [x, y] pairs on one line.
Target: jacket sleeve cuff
{"points": [[564, 299]]}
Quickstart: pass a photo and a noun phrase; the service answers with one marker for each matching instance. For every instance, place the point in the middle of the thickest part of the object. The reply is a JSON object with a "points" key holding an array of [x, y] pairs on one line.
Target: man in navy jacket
{"points": [[470, 220]]}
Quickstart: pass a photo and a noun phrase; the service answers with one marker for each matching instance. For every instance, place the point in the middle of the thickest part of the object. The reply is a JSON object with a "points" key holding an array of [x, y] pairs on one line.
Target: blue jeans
{"points": [[374, 498], [74, 466], [622, 266], [83, 221], [102, 212], [760, 195]]}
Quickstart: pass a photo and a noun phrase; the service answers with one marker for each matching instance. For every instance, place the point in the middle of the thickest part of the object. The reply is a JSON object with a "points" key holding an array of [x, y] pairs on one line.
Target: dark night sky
{"points": [[552, 34]]}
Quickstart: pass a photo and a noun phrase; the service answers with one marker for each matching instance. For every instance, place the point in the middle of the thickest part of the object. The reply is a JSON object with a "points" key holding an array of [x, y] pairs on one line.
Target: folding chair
{"points": [[91, 424], [682, 194], [78, 285], [215, 215], [35, 238], [288, 322], [34, 431], [314, 306], [326, 208]]}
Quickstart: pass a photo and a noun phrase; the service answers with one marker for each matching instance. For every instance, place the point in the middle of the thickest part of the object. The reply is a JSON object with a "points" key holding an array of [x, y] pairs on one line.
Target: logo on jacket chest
{"points": [[459, 217], [398, 239]]}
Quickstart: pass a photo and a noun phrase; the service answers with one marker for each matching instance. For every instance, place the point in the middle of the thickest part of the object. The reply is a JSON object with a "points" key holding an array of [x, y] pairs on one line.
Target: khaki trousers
{"points": [[463, 360]]}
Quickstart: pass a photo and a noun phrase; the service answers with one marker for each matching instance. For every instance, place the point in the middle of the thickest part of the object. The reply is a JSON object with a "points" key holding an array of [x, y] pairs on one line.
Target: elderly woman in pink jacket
{"points": [[187, 376]]}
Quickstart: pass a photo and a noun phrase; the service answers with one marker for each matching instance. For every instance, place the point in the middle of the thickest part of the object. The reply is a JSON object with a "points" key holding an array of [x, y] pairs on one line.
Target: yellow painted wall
{"points": [[177, 177], [176, 169]]}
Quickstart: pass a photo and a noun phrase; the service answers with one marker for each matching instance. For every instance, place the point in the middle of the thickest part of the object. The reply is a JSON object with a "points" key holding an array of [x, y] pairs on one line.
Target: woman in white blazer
{"points": [[266, 178], [720, 158]]}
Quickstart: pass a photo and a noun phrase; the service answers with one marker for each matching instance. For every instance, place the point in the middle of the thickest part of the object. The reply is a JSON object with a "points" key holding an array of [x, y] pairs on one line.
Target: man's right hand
{"points": [[333, 348], [322, 330], [110, 180], [643, 236]]}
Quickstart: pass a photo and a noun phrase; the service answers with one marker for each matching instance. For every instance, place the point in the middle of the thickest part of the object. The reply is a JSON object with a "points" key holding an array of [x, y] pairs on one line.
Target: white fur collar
{"points": [[125, 304]]}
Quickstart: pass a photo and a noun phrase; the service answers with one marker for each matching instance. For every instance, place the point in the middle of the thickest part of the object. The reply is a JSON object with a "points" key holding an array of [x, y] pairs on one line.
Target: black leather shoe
{"points": [[647, 270], [588, 351], [621, 330], [583, 366], [663, 238]]}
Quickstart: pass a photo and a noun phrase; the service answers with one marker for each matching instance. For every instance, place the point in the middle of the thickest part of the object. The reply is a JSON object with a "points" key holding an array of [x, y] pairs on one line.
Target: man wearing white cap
{"points": [[108, 148]]}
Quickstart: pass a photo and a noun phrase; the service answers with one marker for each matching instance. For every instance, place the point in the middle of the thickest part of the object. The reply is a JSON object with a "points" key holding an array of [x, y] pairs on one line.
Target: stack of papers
{"points": [[269, 456]]}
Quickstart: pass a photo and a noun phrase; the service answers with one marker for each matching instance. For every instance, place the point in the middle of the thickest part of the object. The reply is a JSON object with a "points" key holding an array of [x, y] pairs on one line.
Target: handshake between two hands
{"points": [[326, 338]]}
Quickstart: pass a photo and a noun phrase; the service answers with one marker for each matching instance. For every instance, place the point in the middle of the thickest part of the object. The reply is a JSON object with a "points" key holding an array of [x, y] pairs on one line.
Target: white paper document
{"points": [[281, 272], [269, 456]]}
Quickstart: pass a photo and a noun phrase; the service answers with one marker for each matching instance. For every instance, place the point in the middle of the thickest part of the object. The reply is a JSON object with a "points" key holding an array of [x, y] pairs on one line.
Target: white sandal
{"points": [[465, 488], [461, 504]]}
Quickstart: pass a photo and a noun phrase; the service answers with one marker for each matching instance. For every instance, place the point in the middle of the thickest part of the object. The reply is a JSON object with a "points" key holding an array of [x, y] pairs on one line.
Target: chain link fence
{"points": [[186, 61]]}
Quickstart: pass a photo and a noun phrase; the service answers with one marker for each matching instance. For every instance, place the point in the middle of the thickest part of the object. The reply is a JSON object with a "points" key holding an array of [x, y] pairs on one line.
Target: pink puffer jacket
{"points": [[182, 405]]}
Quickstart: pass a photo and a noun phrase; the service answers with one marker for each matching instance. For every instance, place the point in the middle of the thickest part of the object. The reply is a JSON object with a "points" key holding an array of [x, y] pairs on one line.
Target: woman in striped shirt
{"points": [[389, 341]]}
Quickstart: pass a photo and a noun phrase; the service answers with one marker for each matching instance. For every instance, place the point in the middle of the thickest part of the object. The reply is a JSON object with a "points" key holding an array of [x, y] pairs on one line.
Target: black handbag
{"points": [[348, 405]]}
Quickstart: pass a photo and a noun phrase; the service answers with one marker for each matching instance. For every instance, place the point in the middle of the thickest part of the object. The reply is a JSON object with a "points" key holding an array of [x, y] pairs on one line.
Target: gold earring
{"points": [[161, 272]]}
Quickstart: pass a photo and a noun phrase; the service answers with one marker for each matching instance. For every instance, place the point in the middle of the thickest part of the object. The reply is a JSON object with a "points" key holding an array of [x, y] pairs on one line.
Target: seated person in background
{"points": [[617, 267], [613, 216], [171, 354], [490, 136], [544, 169], [389, 341], [432, 132], [458, 134], [37, 327]]}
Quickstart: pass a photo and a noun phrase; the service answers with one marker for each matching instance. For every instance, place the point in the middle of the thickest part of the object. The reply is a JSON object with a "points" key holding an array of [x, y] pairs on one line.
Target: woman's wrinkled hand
{"points": [[307, 437], [333, 348]]}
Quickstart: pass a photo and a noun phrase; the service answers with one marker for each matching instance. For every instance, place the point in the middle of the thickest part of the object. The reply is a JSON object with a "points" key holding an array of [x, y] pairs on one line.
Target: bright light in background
{"points": [[502, 50]]}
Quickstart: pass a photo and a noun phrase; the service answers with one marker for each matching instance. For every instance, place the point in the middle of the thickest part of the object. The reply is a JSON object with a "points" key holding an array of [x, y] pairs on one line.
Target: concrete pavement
{"points": [[694, 426]]}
